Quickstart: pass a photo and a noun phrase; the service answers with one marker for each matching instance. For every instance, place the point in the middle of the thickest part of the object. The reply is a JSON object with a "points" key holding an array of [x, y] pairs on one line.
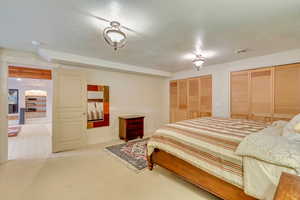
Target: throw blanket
{"points": [[207, 143], [274, 149], [266, 156]]}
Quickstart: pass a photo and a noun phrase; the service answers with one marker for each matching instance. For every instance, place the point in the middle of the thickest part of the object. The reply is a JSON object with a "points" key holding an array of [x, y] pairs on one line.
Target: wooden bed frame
{"points": [[196, 176]]}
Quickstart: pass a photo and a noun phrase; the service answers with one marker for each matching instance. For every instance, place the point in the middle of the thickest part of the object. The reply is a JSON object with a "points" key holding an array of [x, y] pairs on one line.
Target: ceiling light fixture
{"points": [[114, 36], [198, 61]]}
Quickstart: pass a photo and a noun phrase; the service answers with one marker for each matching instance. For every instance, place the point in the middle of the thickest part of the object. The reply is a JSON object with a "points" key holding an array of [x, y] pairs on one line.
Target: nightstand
{"points": [[288, 188], [131, 127]]}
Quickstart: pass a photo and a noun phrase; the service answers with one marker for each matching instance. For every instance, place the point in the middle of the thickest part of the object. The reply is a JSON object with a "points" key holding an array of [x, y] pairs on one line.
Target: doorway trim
{"points": [[3, 113], [16, 60]]}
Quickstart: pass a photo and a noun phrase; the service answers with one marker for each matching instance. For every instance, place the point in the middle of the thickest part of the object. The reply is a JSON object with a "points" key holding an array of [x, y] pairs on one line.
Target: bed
{"points": [[202, 151]]}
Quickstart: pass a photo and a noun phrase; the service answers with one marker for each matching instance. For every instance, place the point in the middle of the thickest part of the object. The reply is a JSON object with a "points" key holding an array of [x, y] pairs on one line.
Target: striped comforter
{"points": [[207, 143]]}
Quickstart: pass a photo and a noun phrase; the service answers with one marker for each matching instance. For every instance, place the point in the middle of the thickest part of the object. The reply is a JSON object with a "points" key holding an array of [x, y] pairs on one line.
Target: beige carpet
{"points": [[90, 174]]}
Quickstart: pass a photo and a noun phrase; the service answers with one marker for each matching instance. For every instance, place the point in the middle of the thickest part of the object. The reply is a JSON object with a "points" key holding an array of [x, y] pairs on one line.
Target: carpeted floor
{"points": [[90, 174]]}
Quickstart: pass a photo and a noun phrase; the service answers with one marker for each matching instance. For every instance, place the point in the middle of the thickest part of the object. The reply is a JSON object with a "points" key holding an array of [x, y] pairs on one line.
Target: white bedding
{"points": [[266, 155], [261, 178], [241, 152]]}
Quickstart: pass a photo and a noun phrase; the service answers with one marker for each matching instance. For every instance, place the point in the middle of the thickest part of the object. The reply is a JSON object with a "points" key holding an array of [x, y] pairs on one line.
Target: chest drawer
{"points": [[131, 127], [135, 124]]}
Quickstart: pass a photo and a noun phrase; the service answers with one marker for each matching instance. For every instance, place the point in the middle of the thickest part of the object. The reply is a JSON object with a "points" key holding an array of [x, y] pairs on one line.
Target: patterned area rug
{"points": [[132, 153]]}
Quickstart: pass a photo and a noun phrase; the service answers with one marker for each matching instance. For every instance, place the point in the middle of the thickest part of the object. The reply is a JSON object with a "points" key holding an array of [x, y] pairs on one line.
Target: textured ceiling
{"points": [[166, 29]]}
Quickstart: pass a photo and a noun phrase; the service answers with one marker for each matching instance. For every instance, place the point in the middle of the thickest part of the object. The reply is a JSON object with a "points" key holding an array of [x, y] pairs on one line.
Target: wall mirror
{"points": [[97, 106]]}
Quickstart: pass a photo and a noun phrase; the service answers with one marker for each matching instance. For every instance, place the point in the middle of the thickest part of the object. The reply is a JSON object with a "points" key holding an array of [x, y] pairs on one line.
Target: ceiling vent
{"points": [[241, 51]]}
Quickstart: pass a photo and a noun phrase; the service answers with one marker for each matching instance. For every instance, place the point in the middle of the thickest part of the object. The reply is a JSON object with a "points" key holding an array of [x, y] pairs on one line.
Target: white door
{"points": [[69, 117]]}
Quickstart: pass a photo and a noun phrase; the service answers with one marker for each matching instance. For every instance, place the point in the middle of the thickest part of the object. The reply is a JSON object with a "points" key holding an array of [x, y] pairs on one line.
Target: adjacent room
{"points": [[29, 112], [150, 100]]}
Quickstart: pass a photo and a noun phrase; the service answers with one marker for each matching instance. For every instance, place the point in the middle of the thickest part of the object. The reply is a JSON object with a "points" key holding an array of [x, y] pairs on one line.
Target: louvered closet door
{"points": [[181, 113], [193, 98], [240, 94], [287, 95], [262, 103], [173, 100], [205, 96]]}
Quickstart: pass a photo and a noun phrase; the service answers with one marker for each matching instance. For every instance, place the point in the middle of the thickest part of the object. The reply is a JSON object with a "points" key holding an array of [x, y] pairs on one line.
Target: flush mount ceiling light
{"points": [[198, 57], [114, 36], [198, 61]]}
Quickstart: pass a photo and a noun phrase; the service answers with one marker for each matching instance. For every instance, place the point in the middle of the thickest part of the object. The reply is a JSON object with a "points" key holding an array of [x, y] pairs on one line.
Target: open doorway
{"points": [[30, 92]]}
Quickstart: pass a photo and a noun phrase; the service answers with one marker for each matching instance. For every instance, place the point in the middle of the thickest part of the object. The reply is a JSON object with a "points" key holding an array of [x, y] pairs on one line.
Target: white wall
{"points": [[148, 95], [33, 84], [3, 112], [221, 75], [18, 58], [130, 94]]}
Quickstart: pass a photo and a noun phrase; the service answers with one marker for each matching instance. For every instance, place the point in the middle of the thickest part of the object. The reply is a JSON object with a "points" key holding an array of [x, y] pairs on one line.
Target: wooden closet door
{"points": [[261, 99], [286, 91], [240, 94], [205, 96], [173, 100], [193, 98], [181, 113]]}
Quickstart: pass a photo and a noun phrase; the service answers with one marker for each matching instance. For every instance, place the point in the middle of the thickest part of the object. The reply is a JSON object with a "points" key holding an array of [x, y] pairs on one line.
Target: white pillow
{"points": [[290, 127]]}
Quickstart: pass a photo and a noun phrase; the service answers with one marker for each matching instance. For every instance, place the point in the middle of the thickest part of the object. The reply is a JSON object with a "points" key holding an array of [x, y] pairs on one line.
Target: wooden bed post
{"points": [[150, 162]]}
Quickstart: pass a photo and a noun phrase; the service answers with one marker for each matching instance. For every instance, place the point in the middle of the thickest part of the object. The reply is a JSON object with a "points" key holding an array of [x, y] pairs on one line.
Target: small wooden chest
{"points": [[131, 127]]}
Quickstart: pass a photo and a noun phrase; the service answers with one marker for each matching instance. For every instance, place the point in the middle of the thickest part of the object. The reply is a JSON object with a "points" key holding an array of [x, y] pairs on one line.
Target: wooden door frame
{"points": [[4, 63]]}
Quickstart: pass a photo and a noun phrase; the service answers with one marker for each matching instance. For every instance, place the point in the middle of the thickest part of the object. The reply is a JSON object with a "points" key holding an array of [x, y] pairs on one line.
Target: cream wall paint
{"points": [[3, 111], [12, 57], [73, 59], [148, 95], [130, 94], [221, 75]]}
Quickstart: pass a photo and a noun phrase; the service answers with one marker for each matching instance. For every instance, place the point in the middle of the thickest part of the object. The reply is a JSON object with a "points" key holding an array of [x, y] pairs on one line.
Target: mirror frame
{"points": [[105, 121]]}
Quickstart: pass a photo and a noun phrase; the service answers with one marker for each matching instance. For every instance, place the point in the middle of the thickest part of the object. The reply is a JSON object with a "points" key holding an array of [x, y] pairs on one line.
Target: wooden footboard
{"points": [[196, 176]]}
